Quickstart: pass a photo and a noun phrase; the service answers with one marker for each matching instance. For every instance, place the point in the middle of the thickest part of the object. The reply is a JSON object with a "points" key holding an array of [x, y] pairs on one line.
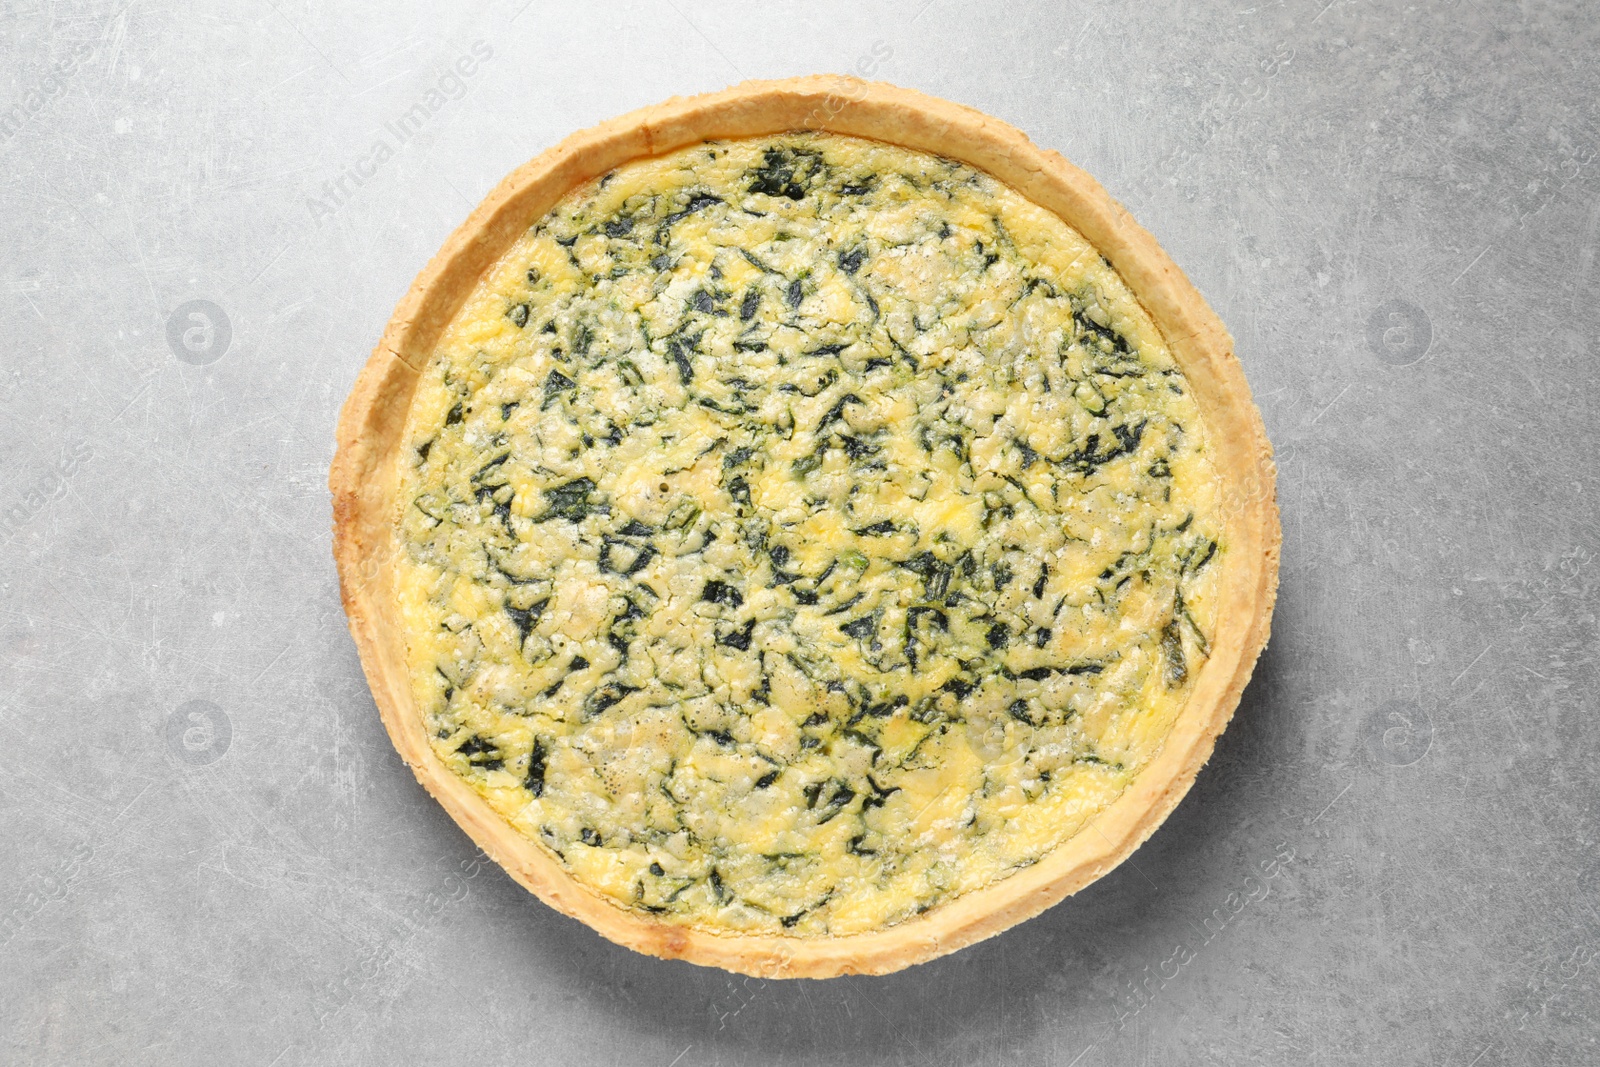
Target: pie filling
{"points": [[801, 532]]}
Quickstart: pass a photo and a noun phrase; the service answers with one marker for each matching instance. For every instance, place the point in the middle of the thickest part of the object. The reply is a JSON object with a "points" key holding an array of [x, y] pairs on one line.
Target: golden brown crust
{"points": [[364, 475]]}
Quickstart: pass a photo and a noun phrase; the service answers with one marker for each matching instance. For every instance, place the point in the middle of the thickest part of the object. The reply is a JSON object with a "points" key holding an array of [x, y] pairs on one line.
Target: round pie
{"points": [[804, 529]]}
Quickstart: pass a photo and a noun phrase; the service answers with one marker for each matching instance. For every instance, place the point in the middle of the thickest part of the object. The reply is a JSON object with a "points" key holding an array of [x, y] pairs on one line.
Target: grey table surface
{"points": [[209, 853]]}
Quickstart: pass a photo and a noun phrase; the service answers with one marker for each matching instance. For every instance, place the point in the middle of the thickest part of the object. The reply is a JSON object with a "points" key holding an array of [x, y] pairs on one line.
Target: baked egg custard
{"points": [[798, 532]]}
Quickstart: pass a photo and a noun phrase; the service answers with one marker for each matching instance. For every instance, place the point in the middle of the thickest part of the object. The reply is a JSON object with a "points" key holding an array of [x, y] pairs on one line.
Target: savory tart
{"points": [[804, 529]]}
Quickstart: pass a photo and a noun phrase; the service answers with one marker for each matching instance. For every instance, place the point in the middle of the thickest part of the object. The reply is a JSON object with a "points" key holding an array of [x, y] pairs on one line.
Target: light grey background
{"points": [[209, 852]]}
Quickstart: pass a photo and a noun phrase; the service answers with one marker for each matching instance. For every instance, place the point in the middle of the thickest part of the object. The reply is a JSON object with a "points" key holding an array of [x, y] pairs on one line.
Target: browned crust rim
{"points": [[364, 476]]}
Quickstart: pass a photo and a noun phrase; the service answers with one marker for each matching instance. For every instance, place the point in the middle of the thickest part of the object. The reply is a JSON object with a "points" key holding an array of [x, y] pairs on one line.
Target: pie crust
{"points": [[365, 475]]}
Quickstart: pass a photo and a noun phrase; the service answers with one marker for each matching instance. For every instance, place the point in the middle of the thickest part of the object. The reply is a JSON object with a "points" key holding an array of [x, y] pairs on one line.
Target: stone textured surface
{"points": [[208, 851]]}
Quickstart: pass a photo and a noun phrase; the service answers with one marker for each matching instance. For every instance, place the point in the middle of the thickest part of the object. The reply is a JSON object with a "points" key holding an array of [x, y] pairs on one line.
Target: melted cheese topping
{"points": [[801, 532]]}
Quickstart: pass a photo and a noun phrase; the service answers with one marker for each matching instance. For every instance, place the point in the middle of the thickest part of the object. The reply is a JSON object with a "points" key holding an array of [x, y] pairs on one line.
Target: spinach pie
{"points": [[804, 529]]}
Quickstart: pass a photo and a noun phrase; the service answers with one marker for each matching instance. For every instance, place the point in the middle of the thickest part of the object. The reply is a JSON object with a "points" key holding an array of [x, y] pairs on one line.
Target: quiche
{"points": [[804, 529]]}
